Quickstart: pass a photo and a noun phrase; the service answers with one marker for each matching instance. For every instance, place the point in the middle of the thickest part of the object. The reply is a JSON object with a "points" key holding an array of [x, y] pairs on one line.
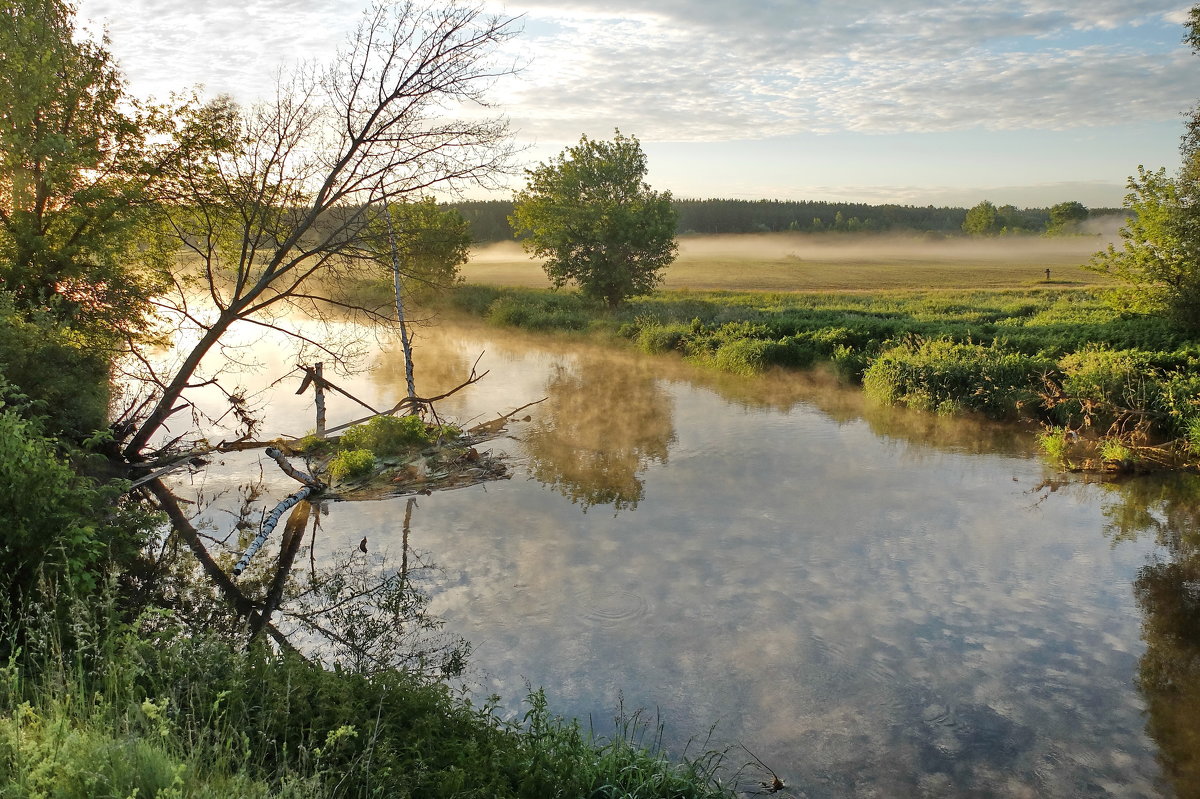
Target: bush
{"points": [[944, 376], [654, 338], [744, 356], [58, 527], [393, 435], [541, 312], [170, 712], [351, 463], [58, 379]]}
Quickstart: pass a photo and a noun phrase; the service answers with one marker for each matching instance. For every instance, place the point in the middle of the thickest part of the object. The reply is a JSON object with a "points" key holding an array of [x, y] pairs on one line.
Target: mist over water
{"points": [[876, 602]]}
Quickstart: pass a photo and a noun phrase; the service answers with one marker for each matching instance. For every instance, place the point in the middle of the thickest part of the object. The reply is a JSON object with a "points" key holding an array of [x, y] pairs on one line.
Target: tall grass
{"points": [[1059, 355], [149, 709]]}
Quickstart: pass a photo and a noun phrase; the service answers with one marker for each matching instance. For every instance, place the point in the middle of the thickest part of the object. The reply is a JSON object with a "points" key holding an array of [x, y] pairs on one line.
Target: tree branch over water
{"points": [[272, 200]]}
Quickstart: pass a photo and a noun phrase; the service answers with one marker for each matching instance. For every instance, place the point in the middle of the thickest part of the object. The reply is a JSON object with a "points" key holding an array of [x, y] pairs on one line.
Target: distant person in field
{"points": [[1047, 274]]}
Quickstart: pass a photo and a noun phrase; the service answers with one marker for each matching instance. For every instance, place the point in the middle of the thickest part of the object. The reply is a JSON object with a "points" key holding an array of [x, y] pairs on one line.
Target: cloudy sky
{"points": [[943, 102]]}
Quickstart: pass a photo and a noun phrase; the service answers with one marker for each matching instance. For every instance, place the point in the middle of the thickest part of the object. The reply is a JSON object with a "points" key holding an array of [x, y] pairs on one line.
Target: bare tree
{"points": [[276, 200]]}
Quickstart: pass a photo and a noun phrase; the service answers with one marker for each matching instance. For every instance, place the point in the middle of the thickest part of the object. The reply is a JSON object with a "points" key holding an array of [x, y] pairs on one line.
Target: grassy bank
{"points": [[1122, 391], [151, 709]]}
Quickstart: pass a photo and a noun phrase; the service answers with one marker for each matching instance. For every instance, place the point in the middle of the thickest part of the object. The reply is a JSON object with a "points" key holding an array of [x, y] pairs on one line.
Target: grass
{"points": [[838, 263], [1059, 355], [153, 710]]}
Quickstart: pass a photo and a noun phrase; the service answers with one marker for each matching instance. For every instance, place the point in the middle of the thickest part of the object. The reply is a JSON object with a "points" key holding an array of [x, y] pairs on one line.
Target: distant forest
{"points": [[489, 218]]}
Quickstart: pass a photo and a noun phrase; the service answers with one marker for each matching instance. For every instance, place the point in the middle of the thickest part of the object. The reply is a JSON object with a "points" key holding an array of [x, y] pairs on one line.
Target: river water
{"points": [[874, 602]]}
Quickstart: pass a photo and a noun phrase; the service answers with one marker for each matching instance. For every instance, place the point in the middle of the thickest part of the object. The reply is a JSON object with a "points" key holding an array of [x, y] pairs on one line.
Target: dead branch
{"points": [[291, 471], [269, 525], [241, 604], [310, 375], [414, 402]]}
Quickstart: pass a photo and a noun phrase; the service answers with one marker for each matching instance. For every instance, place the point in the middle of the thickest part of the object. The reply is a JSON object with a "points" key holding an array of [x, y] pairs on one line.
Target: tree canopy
{"points": [[982, 220], [1065, 217], [1159, 261], [590, 214], [77, 169], [431, 243]]}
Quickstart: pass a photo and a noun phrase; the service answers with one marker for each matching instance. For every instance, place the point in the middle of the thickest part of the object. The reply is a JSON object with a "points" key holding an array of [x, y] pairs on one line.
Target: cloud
{"points": [[704, 71], [711, 70]]}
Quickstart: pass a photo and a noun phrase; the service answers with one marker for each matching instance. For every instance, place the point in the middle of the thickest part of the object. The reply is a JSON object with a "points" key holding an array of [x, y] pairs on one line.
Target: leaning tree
{"points": [[272, 204]]}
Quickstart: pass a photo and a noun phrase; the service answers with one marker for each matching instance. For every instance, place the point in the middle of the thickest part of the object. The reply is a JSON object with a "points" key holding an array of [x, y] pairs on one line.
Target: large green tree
{"points": [[1066, 216], [76, 171], [1159, 260], [589, 213], [982, 220]]}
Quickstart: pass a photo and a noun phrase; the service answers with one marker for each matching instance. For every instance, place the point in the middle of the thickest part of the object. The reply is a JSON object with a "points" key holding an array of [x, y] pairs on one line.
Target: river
{"points": [[874, 602]]}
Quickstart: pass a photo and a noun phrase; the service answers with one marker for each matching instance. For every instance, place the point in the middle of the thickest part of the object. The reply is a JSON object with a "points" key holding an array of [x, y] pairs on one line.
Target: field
{"points": [[772, 262]]}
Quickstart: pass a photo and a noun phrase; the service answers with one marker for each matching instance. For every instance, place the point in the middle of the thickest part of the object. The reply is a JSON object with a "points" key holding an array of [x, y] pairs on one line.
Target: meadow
{"points": [[835, 262], [949, 326]]}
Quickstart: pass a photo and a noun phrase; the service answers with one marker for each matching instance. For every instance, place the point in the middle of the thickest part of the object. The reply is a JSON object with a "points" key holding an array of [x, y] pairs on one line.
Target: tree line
{"points": [[489, 223]]}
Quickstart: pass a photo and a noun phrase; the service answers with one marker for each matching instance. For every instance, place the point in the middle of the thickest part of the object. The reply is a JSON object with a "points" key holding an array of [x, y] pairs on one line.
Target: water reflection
{"points": [[877, 602], [603, 422], [1167, 508]]}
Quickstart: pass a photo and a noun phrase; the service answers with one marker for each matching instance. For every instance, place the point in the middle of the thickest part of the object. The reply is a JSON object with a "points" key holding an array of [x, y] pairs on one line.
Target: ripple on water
{"points": [[615, 608]]}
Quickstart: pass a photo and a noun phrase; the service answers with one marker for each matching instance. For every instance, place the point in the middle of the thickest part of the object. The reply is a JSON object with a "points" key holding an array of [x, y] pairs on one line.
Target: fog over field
{"points": [[863, 247]]}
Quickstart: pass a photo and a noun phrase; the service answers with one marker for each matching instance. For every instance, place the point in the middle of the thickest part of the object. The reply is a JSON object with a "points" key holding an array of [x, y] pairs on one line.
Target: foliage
{"points": [[1159, 257], [57, 379], [1066, 216], [179, 713], [1056, 444], [392, 435], [351, 463], [982, 220], [430, 243], [60, 529], [489, 218], [78, 170], [947, 376], [588, 212], [998, 352], [1159, 262]]}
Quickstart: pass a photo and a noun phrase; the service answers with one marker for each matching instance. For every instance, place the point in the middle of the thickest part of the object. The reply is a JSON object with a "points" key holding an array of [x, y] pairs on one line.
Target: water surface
{"points": [[875, 602]]}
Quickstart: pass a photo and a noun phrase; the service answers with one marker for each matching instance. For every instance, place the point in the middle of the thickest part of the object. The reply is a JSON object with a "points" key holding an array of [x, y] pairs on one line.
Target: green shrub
{"points": [[654, 338], [745, 356], [1101, 382], [1055, 443], [58, 378], [351, 463], [394, 435], [928, 374], [540, 312], [58, 526]]}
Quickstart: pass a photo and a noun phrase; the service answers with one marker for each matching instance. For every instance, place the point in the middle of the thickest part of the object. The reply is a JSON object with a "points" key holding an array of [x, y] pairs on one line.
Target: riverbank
{"points": [[1111, 392]]}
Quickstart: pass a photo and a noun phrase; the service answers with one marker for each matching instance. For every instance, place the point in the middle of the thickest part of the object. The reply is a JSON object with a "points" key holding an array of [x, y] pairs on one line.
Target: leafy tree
{"points": [[982, 220], [76, 171], [1159, 262], [1065, 216], [431, 243], [590, 215]]}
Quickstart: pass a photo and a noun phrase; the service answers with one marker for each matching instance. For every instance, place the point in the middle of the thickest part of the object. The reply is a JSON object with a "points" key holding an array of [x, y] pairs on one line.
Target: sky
{"points": [[944, 102]]}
